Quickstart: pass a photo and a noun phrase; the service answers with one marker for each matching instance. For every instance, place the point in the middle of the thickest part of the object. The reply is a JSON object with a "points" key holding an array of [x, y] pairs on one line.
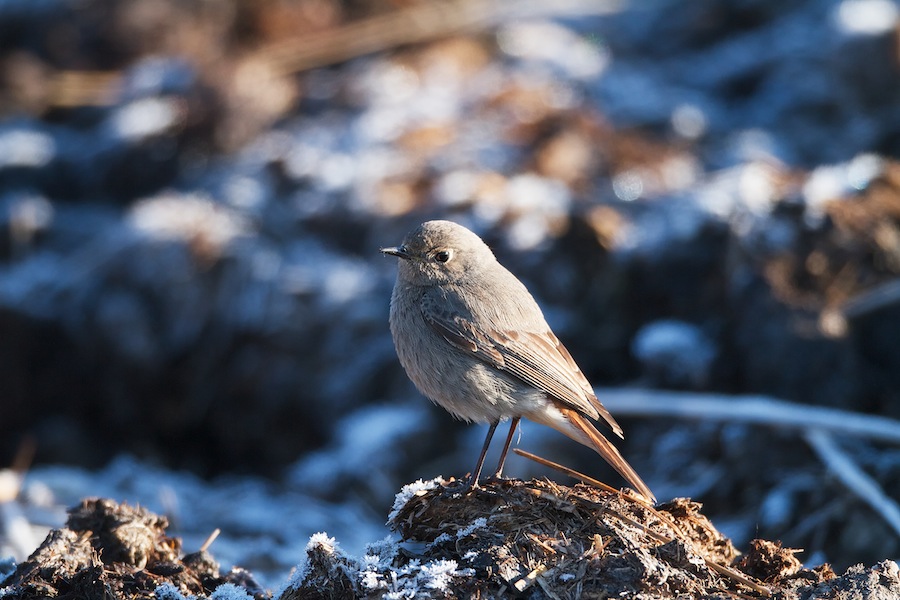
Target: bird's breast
{"points": [[454, 379]]}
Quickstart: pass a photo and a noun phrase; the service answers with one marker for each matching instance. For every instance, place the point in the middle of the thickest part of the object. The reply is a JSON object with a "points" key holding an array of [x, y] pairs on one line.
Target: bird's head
{"points": [[440, 252]]}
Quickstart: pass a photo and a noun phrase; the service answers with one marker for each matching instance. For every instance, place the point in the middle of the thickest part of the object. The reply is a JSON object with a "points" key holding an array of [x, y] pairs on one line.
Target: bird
{"points": [[474, 341]]}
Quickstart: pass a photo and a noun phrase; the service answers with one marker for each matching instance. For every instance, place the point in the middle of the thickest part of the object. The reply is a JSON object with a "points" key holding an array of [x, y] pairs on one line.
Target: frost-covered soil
{"points": [[533, 539], [702, 196]]}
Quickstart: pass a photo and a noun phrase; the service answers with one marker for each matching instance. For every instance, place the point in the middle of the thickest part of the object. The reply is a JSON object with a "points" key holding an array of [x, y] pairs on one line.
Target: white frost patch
{"points": [[371, 580], [556, 45], [478, 523], [318, 541], [457, 188], [375, 571], [689, 121], [24, 148], [438, 575], [444, 537], [676, 351], [866, 17], [28, 215], [229, 591], [416, 580], [384, 550], [190, 217], [832, 182], [145, 117], [534, 203], [167, 591], [323, 542], [410, 490]]}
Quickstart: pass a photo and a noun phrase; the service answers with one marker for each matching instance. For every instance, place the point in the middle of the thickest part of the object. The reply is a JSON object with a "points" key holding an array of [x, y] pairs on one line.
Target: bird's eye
{"points": [[442, 256]]}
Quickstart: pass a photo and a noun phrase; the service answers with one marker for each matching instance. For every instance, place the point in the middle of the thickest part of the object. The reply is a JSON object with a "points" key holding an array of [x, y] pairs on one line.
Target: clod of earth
{"points": [[530, 539], [539, 539]]}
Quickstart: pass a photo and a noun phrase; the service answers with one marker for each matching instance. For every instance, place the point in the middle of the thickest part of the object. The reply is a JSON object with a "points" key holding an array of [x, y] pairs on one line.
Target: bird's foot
{"points": [[459, 487], [498, 477]]}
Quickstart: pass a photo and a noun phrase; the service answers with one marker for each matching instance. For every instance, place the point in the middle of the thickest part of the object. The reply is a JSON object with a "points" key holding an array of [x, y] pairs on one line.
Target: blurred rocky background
{"points": [[703, 196]]}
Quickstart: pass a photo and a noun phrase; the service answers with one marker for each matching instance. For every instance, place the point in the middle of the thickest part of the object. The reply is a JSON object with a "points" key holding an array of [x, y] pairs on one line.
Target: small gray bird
{"points": [[475, 342]]}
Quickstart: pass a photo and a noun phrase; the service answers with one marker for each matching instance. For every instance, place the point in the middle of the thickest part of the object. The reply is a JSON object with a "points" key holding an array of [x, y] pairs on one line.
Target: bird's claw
{"points": [[460, 487]]}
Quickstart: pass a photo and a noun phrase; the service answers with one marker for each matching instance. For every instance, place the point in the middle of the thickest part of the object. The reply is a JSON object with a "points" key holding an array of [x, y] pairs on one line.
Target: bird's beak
{"points": [[398, 251]]}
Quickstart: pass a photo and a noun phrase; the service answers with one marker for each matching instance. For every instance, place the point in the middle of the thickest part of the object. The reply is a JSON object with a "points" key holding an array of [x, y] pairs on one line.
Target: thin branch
{"points": [[577, 475], [854, 479], [209, 540], [760, 410], [873, 300]]}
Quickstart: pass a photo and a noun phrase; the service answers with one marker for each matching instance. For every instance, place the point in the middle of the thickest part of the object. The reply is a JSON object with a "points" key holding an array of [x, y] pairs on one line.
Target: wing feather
{"points": [[537, 358]]}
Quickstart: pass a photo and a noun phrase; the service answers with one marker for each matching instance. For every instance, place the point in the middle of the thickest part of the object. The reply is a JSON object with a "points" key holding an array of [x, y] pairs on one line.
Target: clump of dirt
{"points": [[568, 541], [530, 539], [109, 550], [539, 539]]}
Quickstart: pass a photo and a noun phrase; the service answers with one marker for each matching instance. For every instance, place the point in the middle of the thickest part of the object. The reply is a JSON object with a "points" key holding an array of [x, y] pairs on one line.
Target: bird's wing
{"points": [[537, 358]]}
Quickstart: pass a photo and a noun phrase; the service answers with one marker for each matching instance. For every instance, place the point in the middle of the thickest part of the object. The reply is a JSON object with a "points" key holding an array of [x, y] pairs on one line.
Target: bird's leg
{"points": [[476, 473], [498, 474], [472, 482]]}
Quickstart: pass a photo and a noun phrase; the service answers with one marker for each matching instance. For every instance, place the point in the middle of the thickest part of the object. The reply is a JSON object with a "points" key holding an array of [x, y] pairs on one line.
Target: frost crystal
{"points": [[437, 575], [371, 580], [229, 591], [318, 541], [321, 540], [376, 573], [167, 591], [409, 490], [380, 554], [444, 537], [415, 579], [471, 527]]}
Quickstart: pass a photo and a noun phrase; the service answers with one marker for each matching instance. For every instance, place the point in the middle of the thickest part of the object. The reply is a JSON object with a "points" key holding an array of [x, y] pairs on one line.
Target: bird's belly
{"points": [[470, 389]]}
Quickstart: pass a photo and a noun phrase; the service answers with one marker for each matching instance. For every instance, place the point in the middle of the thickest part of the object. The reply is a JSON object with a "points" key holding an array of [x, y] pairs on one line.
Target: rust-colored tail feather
{"points": [[609, 452]]}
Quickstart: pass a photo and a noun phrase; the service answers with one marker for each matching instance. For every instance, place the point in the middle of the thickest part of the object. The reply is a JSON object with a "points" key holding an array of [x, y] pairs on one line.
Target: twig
{"points": [[854, 479], [84, 88], [14, 526], [575, 474], [11, 479], [547, 589], [760, 410], [212, 537], [873, 300], [24, 455], [540, 543]]}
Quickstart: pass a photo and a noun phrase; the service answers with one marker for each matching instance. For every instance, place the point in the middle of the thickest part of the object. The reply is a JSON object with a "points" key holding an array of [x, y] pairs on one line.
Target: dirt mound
{"points": [[109, 550], [538, 539]]}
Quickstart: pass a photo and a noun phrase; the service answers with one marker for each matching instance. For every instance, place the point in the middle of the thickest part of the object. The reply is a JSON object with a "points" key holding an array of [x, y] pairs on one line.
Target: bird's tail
{"points": [[585, 433]]}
